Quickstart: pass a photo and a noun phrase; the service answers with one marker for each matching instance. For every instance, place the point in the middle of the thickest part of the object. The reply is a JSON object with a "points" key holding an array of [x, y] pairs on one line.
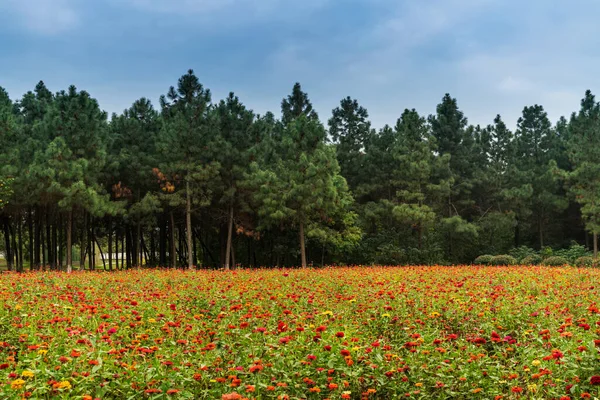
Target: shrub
{"points": [[533, 259], [573, 253], [521, 252], [504, 259], [586, 261], [485, 259], [556, 261]]}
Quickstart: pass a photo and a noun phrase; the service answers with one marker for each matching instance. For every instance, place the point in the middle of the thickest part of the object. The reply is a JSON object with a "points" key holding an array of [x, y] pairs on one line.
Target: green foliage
{"points": [[533, 259], [504, 259], [232, 184], [586, 261], [6, 191], [572, 253], [556, 261], [521, 252], [485, 259]]}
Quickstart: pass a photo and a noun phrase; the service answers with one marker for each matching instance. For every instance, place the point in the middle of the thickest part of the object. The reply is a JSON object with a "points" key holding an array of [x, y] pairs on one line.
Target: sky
{"points": [[494, 56]]}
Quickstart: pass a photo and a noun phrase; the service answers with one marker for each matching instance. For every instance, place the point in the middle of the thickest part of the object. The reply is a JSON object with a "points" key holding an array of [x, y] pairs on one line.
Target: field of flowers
{"points": [[343, 333]]}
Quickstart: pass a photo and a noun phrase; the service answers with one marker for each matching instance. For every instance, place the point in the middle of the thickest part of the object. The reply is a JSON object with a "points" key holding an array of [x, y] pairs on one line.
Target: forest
{"points": [[201, 183]]}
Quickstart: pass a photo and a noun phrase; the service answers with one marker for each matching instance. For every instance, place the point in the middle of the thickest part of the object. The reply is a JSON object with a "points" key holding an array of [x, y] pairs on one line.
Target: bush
{"points": [[521, 252], [504, 259], [586, 261], [573, 253], [485, 259], [556, 261], [533, 259]]}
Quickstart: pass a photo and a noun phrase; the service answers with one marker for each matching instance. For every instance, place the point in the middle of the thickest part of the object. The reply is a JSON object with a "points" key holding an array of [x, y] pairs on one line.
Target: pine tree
{"points": [[186, 143], [535, 189], [584, 180], [416, 177], [350, 130]]}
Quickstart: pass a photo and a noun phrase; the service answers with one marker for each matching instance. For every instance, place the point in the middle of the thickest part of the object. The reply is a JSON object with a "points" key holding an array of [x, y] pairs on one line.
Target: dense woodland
{"points": [[202, 183]]}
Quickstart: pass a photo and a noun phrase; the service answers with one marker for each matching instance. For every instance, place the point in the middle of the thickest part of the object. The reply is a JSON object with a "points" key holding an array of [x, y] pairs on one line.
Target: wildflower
{"points": [[517, 389], [536, 363], [231, 396], [27, 374], [62, 385], [17, 384], [595, 380]]}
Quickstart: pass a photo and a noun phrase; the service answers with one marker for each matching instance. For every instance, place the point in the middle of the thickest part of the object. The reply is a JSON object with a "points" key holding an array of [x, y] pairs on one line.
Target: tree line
{"points": [[203, 183]]}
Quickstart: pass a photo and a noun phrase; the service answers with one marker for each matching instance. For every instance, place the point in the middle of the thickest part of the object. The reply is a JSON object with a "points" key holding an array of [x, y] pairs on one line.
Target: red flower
{"points": [[595, 380], [339, 334], [517, 389], [345, 353]]}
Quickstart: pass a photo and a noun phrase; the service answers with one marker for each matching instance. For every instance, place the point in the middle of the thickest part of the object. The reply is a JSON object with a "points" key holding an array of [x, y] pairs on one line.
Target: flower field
{"points": [[343, 333]]}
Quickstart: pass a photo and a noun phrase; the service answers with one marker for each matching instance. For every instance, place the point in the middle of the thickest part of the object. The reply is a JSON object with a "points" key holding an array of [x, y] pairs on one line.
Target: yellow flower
{"points": [[151, 320], [17, 384], [18, 307], [64, 385], [42, 352], [327, 312], [532, 388], [535, 363], [27, 374], [418, 384], [434, 314], [385, 315]]}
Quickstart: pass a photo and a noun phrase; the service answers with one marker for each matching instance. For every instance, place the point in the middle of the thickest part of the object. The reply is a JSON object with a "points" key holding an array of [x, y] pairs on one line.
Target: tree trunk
{"points": [[152, 248], [69, 247], [173, 249], [229, 234], [101, 253], [110, 245], [30, 229], [60, 241], [123, 249], [128, 253], [134, 246], [37, 261], [162, 242], [49, 240], [188, 226], [55, 245], [302, 246], [140, 243], [117, 247], [82, 243], [144, 256], [15, 247], [43, 241], [90, 244], [595, 245], [233, 264], [19, 233], [195, 242], [7, 253]]}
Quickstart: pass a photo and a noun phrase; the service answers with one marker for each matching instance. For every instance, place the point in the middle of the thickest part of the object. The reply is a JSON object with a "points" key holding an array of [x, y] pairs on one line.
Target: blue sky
{"points": [[495, 56]]}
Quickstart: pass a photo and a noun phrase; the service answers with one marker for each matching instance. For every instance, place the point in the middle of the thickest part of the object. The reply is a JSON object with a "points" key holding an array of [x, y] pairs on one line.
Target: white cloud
{"points": [[46, 17]]}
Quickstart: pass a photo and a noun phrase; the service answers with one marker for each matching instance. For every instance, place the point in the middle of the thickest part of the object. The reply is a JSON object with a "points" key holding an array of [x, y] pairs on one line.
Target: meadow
{"points": [[333, 333]]}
